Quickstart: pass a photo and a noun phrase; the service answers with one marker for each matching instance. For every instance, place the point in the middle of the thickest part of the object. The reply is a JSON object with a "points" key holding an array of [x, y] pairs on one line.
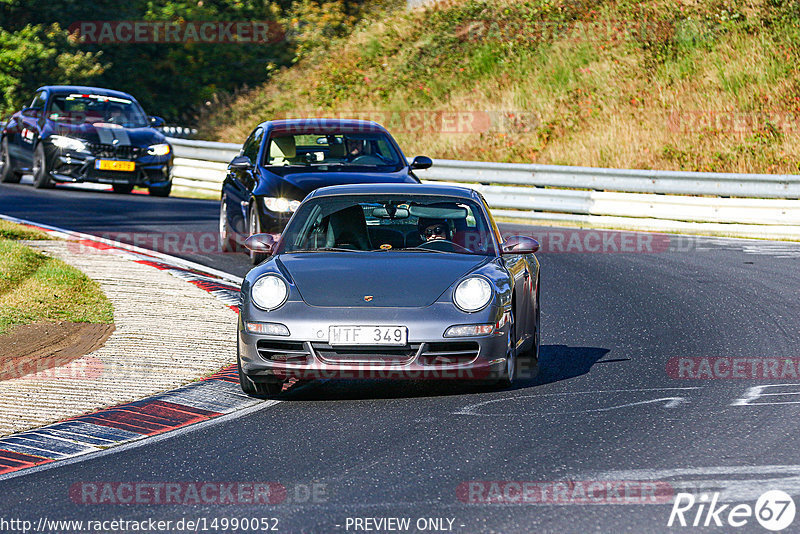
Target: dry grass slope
{"points": [[680, 84]]}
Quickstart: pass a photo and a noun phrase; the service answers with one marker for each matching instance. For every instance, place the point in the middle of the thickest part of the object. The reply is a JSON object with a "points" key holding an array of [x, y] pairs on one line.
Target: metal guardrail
{"points": [[754, 205]]}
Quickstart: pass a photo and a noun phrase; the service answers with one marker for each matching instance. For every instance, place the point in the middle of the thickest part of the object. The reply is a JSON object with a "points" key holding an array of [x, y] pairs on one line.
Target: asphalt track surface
{"points": [[604, 406]]}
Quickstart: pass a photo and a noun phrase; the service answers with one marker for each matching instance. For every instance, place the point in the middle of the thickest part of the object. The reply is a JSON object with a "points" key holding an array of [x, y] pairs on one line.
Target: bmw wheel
{"points": [[41, 172], [7, 174], [160, 191]]}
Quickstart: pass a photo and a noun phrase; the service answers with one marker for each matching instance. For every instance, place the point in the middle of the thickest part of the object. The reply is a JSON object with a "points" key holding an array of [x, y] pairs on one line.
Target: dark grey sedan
{"points": [[400, 281]]}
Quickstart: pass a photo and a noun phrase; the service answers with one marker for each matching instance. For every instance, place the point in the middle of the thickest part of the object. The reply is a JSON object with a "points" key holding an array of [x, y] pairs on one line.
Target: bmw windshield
{"points": [[419, 223], [77, 108]]}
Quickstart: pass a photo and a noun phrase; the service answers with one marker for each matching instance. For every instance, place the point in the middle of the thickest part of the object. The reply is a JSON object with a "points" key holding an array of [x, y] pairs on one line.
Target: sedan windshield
{"points": [[410, 223], [331, 151], [91, 108]]}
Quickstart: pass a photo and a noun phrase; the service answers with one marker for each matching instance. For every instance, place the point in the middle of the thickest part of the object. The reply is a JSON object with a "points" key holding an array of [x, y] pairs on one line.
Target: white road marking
{"points": [[671, 402], [757, 392], [734, 486]]}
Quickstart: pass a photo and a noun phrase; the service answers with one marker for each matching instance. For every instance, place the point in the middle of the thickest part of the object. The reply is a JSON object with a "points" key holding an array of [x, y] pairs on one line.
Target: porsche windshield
{"points": [[331, 151], [419, 223], [79, 108]]}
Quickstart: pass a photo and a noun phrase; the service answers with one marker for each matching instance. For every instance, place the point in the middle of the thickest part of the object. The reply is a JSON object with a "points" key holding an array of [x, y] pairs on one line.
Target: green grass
{"points": [[15, 231], [35, 287]]}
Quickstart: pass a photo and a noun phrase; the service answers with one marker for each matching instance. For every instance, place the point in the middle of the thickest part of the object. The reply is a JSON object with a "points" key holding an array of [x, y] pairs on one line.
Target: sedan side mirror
{"points": [[421, 162], [520, 244], [33, 113], [156, 122], [261, 243], [240, 163]]}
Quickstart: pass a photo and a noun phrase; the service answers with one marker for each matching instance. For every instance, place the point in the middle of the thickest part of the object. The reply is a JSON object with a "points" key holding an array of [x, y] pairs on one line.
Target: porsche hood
{"points": [[393, 279]]}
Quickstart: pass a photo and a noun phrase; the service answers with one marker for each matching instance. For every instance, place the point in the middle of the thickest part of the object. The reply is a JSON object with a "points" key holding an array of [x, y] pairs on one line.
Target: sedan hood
{"points": [[107, 134], [392, 279], [309, 181]]}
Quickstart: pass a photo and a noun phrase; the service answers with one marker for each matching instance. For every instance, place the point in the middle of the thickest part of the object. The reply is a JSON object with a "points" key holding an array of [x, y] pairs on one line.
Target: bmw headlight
{"points": [[68, 143], [472, 294], [281, 205], [161, 149], [269, 292]]}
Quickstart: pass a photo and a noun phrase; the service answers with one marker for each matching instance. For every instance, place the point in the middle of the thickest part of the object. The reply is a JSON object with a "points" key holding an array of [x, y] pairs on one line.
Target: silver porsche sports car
{"points": [[401, 281]]}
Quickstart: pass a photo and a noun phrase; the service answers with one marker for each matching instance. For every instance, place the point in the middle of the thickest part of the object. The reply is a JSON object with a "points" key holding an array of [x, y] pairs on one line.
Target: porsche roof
{"points": [[392, 189]]}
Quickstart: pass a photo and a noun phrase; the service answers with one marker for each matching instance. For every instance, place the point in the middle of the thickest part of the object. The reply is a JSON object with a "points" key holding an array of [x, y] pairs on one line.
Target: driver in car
{"points": [[355, 148], [432, 230]]}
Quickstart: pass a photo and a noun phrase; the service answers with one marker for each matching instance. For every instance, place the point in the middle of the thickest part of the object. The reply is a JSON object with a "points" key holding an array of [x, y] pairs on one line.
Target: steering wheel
{"points": [[449, 246], [368, 159]]}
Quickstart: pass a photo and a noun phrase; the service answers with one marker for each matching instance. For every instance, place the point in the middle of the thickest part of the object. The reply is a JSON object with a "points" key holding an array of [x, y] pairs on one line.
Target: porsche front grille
{"points": [[374, 355], [283, 351], [449, 353]]}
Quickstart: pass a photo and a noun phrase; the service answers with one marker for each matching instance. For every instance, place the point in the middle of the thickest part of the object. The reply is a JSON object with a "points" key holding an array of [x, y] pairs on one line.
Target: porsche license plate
{"points": [[114, 165], [367, 335]]}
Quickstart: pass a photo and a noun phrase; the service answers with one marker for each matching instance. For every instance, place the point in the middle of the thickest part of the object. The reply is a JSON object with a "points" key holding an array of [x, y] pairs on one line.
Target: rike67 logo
{"points": [[774, 510]]}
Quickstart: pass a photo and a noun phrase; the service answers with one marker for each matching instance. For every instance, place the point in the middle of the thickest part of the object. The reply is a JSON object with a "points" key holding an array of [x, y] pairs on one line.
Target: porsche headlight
{"points": [[269, 292], [281, 205], [472, 294], [161, 149], [68, 143]]}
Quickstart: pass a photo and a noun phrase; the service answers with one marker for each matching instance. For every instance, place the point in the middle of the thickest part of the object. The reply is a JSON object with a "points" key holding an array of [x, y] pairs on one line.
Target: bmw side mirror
{"points": [[261, 243], [33, 113], [520, 244], [156, 122], [240, 163], [420, 162]]}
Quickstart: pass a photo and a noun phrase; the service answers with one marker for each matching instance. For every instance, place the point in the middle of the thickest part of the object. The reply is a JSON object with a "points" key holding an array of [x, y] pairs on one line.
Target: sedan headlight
{"points": [[68, 143], [472, 294], [269, 292], [281, 205], [161, 149]]}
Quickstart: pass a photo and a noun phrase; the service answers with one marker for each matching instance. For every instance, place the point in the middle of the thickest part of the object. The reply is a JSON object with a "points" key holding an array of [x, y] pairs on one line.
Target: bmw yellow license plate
{"points": [[114, 165]]}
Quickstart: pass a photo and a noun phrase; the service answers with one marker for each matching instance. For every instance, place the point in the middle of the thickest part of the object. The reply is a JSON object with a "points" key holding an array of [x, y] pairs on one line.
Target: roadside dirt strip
{"points": [[174, 325]]}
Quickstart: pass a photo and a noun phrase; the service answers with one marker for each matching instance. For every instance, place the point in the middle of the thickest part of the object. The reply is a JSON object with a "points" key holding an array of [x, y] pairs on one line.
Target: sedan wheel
{"points": [[254, 227], [41, 174], [7, 175], [226, 241]]}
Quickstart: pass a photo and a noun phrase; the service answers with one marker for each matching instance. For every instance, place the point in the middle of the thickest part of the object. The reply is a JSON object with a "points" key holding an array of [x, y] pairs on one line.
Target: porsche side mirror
{"points": [[33, 113], [156, 122], [520, 244], [240, 163], [261, 243], [420, 162]]}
